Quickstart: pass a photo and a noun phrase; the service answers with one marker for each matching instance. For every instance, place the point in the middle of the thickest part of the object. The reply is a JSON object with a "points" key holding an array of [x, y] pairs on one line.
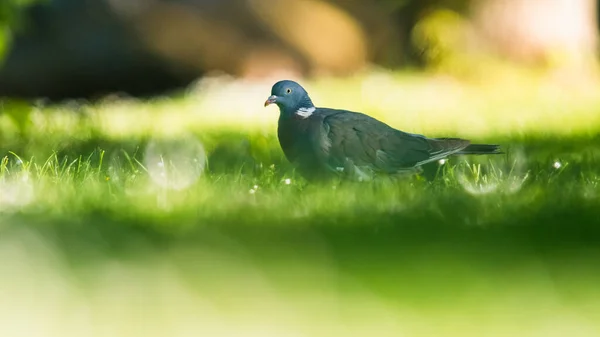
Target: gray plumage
{"points": [[323, 142]]}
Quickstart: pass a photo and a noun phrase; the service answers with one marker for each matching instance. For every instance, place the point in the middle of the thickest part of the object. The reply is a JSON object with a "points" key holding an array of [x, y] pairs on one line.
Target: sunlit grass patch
{"points": [[174, 181], [424, 104]]}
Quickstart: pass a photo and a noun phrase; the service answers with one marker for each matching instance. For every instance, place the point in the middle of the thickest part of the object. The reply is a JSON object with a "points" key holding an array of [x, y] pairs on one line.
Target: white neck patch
{"points": [[305, 112]]}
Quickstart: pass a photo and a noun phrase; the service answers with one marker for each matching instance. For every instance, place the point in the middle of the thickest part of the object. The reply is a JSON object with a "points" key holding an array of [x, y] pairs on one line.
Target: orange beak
{"points": [[272, 99]]}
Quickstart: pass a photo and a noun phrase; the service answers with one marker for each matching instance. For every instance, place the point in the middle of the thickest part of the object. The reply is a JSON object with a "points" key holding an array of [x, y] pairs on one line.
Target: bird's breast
{"points": [[294, 139]]}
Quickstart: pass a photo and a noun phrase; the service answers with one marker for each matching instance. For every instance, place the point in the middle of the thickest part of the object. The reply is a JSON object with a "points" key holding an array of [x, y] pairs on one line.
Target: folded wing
{"points": [[349, 136]]}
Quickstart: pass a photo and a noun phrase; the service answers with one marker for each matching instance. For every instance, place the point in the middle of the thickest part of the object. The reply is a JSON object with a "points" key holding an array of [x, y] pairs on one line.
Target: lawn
{"points": [[179, 216]]}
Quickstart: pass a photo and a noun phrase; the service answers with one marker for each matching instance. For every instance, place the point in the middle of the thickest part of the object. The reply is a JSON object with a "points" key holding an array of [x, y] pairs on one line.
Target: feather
{"points": [[322, 141]]}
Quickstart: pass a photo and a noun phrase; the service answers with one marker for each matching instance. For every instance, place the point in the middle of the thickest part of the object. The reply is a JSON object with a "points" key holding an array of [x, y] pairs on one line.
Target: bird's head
{"points": [[291, 99]]}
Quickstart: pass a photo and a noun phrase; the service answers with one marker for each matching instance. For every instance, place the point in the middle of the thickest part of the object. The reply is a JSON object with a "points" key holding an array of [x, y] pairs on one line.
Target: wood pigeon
{"points": [[322, 142]]}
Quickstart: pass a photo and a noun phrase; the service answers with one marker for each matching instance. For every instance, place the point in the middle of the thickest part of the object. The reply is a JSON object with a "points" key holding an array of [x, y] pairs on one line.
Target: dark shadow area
{"points": [[82, 49]]}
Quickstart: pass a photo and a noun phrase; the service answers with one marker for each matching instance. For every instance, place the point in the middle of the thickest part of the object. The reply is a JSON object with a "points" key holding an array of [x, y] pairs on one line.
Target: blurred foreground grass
{"points": [[111, 225]]}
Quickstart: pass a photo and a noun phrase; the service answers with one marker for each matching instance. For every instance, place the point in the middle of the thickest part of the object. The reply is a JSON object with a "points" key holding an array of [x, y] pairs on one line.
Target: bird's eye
{"points": [[288, 91]]}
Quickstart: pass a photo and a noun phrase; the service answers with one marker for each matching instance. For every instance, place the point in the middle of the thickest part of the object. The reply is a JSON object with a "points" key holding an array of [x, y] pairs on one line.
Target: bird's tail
{"points": [[481, 149]]}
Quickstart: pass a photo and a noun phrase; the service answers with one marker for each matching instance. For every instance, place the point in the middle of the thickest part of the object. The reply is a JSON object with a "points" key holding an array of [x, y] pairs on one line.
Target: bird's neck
{"points": [[302, 110], [306, 103]]}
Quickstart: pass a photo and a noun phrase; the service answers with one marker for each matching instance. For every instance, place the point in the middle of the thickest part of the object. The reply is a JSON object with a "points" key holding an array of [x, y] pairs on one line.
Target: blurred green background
{"points": [[143, 191]]}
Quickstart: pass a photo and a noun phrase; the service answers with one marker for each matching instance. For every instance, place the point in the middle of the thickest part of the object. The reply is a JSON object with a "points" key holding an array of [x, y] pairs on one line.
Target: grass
{"points": [[179, 216]]}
